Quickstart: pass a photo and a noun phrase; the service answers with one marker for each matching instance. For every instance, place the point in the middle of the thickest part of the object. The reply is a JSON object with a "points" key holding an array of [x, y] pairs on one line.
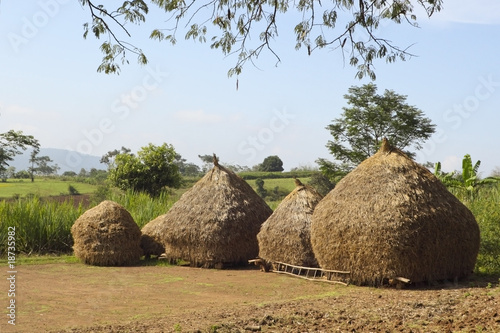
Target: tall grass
{"points": [[44, 226], [40, 226], [142, 207], [486, 209]]}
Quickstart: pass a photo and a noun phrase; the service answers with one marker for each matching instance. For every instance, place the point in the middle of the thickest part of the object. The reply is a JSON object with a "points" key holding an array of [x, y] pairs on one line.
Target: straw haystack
{"points": [[107, 235], [285, 236], [216, 222], [391, 217], [150, 239]]}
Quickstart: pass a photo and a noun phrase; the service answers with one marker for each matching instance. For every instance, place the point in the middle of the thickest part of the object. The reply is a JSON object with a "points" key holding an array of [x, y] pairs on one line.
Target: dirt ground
{"points": [[79, 298]]}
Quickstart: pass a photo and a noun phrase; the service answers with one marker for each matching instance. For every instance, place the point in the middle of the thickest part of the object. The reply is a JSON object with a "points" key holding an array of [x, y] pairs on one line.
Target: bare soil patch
{"points": [[80, 298]]}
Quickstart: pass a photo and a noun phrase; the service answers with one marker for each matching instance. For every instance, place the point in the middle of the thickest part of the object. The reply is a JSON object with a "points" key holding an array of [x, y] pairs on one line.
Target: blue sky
{"points": [[49, 88]]}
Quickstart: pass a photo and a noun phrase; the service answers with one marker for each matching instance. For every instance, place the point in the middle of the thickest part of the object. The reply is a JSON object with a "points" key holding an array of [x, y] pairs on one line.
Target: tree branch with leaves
{"points": [[235, 22]]}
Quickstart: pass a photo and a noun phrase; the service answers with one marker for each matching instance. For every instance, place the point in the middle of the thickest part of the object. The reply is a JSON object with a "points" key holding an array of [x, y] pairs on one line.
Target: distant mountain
{"points": [[67, 160]]}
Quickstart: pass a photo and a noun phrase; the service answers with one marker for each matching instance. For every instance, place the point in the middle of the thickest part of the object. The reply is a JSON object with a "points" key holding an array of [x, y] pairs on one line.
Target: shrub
{"points": [[72, 190]]}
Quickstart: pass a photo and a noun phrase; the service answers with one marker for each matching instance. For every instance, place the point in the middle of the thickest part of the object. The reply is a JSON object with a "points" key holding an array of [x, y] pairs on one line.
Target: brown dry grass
{"points": [[107, 235], [286, 236], [214, 223]]}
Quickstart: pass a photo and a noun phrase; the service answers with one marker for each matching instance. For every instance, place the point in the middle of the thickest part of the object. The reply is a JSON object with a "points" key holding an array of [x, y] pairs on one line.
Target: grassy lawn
{"points": [[42, 186], [286, 184]]}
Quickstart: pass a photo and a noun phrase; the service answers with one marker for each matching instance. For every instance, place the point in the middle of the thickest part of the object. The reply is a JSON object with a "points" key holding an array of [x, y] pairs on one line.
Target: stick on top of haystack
{"points": [[297, 181], [216, 160]]}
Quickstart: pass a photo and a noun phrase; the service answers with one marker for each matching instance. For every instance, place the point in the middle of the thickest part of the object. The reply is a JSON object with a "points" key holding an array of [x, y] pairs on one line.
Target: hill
{"points": [[67, 160]]}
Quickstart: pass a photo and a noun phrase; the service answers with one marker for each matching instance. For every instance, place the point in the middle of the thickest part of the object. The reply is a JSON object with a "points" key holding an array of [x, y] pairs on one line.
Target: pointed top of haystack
{"points": [[285, 236], [392, 217], [215, 222], [386, 146], [297, 181], [215, 160]]}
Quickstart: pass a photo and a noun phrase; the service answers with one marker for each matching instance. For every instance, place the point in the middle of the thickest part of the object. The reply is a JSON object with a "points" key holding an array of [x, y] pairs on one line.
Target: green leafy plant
{"points": [[468, 182]]}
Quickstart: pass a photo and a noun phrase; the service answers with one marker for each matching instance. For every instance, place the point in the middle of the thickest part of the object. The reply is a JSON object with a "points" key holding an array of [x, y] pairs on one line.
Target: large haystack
{"points": [[216, 222], [391, 217], [286, 234], [107, 235]]}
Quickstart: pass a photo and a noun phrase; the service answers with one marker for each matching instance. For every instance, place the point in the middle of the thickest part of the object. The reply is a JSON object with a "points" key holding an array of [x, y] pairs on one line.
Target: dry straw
{"points": [[391, 217], [215, 223], [107, 235], [150, 239], [285, 236]]}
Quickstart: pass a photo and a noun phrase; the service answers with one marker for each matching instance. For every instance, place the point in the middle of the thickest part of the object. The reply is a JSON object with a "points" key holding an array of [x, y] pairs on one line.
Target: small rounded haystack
{"points": [[107, 235], [286, 234], [216, 222], [150, 239], [390, 217]]}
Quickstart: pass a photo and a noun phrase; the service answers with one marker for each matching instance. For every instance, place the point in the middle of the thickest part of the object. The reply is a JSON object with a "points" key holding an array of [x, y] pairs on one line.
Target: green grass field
{"points": [[42, 187], [285, 184], [45, 187]]}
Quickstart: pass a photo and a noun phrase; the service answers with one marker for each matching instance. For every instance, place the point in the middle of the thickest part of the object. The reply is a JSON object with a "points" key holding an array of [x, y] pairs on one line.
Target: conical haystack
{"points": [[286, 234], [391, 217], [107, 235], [216, 222]]}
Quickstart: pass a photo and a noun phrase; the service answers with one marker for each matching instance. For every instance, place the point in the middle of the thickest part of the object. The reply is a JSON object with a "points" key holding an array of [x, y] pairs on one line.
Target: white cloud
{"points": [[466, 11], [198, 116], [451, 163]]}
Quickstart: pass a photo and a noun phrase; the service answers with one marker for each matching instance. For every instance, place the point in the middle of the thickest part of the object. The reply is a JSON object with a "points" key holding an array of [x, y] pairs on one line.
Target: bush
{"points": [[72, 190], [321, 183], [261, 191]]}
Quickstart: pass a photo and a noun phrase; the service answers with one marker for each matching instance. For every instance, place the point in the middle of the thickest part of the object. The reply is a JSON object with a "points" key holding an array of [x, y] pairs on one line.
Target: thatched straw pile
{"points": [[391, 217], [107, 235], [286, 234], [150, 239], [216, 222]]}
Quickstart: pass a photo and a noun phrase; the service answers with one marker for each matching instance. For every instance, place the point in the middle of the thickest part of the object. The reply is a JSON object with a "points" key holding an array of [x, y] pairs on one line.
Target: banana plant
{"points": [[470, 175], [448, 179], [469, 180]]}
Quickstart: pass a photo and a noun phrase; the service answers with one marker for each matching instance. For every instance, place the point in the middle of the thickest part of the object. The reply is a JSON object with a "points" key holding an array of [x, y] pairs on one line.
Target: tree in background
{"points": [[271, 164], [186, 169], [321, 183], [109, 157], [249, 27], [208, 162], [370, 117], [261, 191], [150, 171], [11, 144], [40, 165]]}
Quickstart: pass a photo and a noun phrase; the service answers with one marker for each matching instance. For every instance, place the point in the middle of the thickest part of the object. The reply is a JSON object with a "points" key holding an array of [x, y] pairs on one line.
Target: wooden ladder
{"points": [[308, 273]]}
